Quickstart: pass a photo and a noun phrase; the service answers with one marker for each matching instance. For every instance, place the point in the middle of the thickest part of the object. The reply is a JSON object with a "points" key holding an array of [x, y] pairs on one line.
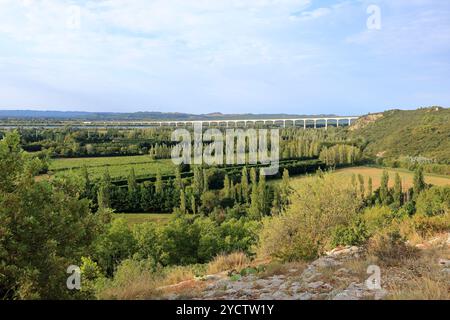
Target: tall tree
{"points": [[159, 185], [226, 187], [104, 191], [263, 195], [369, 187], [244, 185], [285, 190], [134, 193], [384, 189], [182, 201], [205, 180], [197, 181], [44, 227], [362, 189], [178, 181], [397, 192], [419, 181]]}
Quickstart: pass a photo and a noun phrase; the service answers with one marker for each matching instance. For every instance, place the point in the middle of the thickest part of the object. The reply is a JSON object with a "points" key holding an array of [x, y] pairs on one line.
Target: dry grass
{"points": [[389, 249], [136, 281], [141, 287], [422, 288], [277, 268], [176, 275], [234, 261], [423, 278], [420, 228], [406, 176], [375, 174]]}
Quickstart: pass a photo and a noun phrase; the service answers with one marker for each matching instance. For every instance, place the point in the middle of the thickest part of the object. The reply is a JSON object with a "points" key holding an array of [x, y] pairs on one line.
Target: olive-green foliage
{"points": [[186, 239], [377, 218], [305, 230], [422, 132], [353, 234], [44, 227], [433, 201], [115, 245]]}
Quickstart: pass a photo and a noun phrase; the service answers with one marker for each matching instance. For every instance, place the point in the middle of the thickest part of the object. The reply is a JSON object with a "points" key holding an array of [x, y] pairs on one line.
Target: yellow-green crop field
{"points": [[118, 167], [135, 218], [375, 174]]}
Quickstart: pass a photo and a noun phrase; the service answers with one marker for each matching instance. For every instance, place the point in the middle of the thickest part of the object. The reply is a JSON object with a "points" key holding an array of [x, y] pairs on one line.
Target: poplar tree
{"points": [[419, 181], [182, 201], [262, 195], [178, 181], [193, 205], [285, 190], [369, 187], [397, 193], [197, 182], [205, 180], [104, 191], [384, 189], [159, 184], [244, 184], [226, 187], [362, 189]]}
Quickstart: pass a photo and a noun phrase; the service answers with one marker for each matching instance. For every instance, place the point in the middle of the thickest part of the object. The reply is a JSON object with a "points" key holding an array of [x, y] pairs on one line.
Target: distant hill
{"points": [[150, 115], [392, 134]]}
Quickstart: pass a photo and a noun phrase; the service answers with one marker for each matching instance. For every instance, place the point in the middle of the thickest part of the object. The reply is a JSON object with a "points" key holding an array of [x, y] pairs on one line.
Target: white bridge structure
{"points": [[294, 122]]}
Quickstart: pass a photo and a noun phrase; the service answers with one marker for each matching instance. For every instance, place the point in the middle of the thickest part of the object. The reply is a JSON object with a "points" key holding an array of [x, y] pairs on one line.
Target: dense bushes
{"points": [[305, 230], [383, 220], [434, 201], [44, 228], [184, 240]]}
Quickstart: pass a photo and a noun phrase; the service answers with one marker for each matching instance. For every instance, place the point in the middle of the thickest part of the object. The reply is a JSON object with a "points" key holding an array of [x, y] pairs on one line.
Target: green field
{"points": [[135, 218], [118, 167]]}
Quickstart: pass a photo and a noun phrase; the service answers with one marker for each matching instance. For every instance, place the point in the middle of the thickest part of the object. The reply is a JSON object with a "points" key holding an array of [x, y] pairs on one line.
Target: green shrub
{"points": [[305, 230], [377, 218], [114, 246], [355, 234], [390, 248], [433, 201]]}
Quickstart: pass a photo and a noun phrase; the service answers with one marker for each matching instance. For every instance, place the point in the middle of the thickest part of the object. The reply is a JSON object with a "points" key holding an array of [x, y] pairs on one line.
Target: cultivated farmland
{"points": [[118, 167]]}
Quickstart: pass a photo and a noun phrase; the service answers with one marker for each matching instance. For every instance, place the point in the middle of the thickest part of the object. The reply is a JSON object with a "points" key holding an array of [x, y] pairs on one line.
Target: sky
{"points": [[346, 57]]}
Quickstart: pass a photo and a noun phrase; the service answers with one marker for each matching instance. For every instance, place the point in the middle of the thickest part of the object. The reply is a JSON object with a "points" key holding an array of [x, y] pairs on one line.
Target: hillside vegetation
{"points": [[412, 134]]}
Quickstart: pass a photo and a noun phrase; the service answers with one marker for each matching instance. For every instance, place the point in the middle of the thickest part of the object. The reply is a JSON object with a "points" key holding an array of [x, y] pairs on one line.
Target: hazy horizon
{"points": [[228, 56]]}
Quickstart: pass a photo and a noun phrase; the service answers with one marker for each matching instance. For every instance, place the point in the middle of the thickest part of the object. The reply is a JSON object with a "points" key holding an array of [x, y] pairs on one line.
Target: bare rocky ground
{"points": [[339, 275]]}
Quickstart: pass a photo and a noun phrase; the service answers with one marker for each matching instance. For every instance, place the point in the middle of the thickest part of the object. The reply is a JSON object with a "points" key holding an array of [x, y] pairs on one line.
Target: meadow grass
{"points": [[118, 167], [375, 174], [135, 218]]}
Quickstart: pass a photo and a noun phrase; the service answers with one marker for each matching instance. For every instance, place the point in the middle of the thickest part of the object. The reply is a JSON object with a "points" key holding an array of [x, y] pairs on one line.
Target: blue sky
{"points": [[231, 56]]}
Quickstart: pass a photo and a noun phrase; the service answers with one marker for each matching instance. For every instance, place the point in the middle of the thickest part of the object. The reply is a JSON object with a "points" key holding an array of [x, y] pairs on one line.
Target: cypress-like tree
{"points": [[178, 181], [419, 181], [362, 189], [131, 180], [384, 189], [262, 193], [193, 205], [182, 201], [397, 192], [205, 180], [197, 182], [369, 187], [226, 187], [285, 190], [244, 184], [159, 185], [104, 191]]}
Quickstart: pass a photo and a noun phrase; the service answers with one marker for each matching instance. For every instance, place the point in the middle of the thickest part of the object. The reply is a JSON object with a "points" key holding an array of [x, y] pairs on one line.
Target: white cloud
{"points": [[310, 15]]}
